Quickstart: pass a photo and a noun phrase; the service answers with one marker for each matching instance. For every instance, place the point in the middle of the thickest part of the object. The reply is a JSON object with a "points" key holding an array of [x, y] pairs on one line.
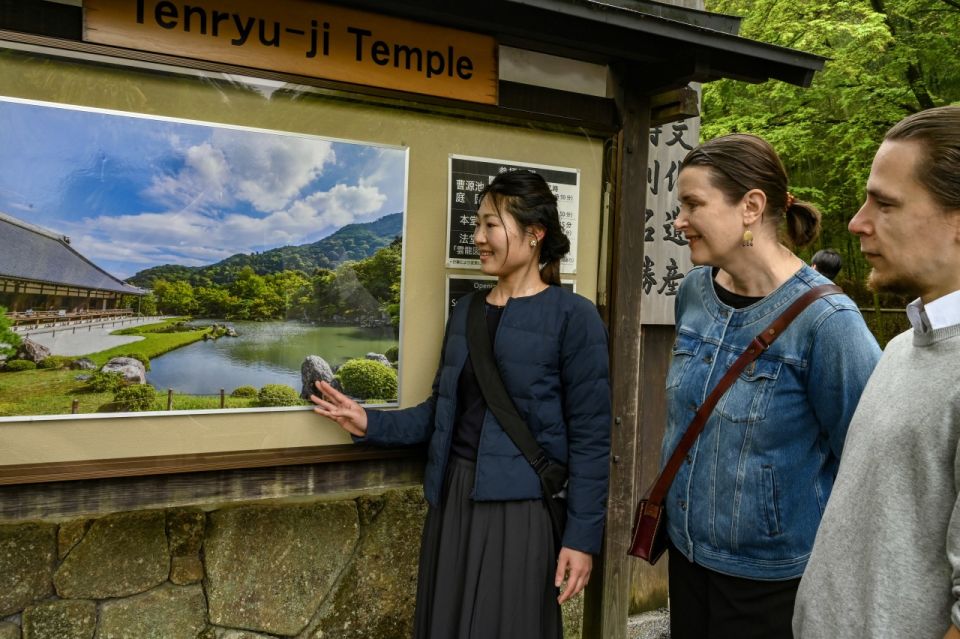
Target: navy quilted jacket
{"points": [[551, 349]]}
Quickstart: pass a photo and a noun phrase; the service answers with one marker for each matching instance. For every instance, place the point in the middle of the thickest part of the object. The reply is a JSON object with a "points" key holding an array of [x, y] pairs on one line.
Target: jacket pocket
{"points": [[748, 398], [684, 349], [770, 500]]}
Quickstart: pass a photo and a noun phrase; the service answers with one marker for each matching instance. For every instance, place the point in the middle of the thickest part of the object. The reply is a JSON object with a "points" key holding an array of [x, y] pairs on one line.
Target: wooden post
{"points": [[169, 399], [608, 599], [75, 407], [223, 399]]}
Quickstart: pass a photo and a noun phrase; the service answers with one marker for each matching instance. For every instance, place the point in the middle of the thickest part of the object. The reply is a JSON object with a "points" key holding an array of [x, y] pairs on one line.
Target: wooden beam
{"points": [[606, 616], [675, 105], [197, 462]]}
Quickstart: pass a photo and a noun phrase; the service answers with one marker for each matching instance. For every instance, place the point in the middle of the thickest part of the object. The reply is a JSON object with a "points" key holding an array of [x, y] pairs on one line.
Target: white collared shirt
{"points": [[941, 312]]}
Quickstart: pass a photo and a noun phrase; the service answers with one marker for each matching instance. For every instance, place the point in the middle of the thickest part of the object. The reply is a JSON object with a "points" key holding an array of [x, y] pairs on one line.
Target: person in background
{"points": [[743, 509], [489, 568], [827, 262], [886, 562]]}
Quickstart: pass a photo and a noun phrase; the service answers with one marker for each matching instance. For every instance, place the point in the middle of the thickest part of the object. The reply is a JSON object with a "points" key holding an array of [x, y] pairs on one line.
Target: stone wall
{"points": [[313, 569]]}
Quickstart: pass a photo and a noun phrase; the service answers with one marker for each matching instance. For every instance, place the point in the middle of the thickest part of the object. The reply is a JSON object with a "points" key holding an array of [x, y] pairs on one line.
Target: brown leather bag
{"points": [[649, 529]]}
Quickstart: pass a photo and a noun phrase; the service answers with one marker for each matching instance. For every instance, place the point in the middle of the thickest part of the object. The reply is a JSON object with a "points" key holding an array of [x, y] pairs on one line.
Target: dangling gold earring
{"points": [[747, 238], [533, 242]]}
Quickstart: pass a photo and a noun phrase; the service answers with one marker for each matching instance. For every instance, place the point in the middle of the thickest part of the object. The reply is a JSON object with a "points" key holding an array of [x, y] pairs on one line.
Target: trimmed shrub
{"points": [[20, 365], [140, 357], [101, 382], [54, 362], [244, 391], [136, 397], [392, 353], [278, 395], [367, 379]]}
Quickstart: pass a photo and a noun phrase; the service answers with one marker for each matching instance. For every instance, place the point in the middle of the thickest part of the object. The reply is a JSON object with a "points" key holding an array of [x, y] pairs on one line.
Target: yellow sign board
{"points": [[305, 38]]}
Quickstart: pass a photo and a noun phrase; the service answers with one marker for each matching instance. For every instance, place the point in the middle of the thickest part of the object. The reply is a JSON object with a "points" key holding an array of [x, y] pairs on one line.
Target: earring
{"points": [[747, 238], [533, 242]]}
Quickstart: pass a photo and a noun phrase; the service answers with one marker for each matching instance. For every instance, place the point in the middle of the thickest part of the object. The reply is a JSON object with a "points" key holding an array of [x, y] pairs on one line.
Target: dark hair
{"points": [[740, 163], [828, 262], [528, 198], [938, 130]]}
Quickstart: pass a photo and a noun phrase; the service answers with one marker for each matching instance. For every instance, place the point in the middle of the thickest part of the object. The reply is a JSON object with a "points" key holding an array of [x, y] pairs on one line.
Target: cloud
{"points": [[266, 171], [191, 238]]}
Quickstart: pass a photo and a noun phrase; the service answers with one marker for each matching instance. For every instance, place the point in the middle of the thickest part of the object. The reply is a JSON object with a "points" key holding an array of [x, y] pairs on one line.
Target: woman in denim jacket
{"points": [[489, 566], [743, 510]]}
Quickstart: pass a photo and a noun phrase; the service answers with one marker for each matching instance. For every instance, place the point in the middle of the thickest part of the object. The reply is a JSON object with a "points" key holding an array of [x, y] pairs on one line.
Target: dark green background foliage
{"points": [[350, 277], [8, 339], [888, 58]]}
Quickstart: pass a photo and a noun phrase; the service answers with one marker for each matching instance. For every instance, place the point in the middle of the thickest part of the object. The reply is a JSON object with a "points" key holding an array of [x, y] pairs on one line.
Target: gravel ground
{"points": [[650, 625]]}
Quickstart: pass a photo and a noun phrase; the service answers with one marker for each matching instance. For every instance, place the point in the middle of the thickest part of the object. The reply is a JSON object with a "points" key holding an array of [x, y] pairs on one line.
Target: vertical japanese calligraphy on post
{"points": [[666, 257], [468, 177]]}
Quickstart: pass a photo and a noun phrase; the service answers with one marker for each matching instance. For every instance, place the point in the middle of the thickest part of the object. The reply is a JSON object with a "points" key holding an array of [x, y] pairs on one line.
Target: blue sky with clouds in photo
{"points": [[134, 192]]}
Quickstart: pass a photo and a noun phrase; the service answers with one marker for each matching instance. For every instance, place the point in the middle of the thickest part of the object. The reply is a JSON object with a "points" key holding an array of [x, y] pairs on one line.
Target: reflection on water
{"points": [[264, 353]]}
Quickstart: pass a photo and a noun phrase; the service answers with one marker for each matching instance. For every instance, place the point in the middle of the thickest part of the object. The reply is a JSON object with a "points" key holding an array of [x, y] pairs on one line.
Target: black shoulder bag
{"points": [[553, 476]]}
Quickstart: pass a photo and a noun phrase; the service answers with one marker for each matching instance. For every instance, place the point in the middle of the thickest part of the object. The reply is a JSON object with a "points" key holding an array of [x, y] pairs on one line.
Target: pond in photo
{"points": [[262, 353]]}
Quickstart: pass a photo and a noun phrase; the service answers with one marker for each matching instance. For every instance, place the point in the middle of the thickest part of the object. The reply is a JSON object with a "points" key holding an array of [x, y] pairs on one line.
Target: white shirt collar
{"points": [[940, 313]]}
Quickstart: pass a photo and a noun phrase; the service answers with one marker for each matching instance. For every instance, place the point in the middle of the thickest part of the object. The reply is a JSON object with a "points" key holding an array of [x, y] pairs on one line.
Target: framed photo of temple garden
{"points": [[162, 265]]}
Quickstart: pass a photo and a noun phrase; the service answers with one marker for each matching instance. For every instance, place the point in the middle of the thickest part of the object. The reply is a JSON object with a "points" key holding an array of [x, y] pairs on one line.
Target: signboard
{"points": [[468, 176], [460, 285], [666, 256], [236, 252], [305, 38]]}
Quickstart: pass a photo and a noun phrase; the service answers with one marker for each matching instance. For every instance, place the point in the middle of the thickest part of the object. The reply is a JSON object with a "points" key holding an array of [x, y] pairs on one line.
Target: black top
{"points": [[729, 297], [470, 405]]}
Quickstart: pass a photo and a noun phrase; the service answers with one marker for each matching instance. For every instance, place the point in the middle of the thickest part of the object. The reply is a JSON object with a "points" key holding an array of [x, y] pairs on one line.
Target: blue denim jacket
{"points": [[748, 499]]}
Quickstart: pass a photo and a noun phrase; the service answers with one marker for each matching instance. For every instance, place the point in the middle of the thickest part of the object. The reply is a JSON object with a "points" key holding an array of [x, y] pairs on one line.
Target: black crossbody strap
{"points": [[499, 401]]}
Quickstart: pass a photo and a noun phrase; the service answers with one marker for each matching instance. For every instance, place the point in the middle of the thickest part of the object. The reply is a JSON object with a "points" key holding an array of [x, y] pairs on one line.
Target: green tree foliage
{"points": [[8, 339], [18, 365], [887, 59], [368, 379], [364, 292], [278, 395], [174, 298], [135, 398], [351, 243]]}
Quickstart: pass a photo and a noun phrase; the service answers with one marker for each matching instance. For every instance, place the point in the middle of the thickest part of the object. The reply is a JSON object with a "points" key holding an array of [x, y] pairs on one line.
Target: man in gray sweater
{"points": [[886, 561]]}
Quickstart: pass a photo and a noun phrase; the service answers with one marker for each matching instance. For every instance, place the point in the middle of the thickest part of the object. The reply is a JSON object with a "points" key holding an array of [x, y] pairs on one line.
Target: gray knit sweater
{"points": [[886, 561]]}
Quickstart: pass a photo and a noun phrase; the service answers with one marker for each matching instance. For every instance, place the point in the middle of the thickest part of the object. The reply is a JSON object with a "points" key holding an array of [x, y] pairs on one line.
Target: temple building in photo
{"points": [[41, 272]]}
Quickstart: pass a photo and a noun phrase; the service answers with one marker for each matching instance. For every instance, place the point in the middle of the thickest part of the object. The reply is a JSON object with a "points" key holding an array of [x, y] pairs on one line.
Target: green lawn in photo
{"points": [[51, 392]]}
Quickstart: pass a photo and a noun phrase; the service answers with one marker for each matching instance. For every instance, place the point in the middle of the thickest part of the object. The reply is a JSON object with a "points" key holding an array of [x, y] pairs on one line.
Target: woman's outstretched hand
{"points": [[340, 408], [576, 567]]}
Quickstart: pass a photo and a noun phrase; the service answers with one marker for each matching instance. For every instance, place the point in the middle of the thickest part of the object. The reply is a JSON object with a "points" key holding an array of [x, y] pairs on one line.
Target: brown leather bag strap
{"points": [[759, 344]]}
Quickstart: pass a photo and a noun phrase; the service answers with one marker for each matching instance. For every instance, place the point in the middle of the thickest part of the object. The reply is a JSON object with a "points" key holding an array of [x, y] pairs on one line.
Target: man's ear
{"points": [[754, 204]]}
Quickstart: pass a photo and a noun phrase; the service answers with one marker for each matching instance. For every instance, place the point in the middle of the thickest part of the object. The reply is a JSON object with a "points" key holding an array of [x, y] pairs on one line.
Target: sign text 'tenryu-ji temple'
{"points": [[305, 38]]}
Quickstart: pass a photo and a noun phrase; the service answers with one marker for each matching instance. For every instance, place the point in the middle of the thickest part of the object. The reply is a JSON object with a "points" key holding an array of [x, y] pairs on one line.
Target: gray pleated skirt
{"points": [[486, 568]]}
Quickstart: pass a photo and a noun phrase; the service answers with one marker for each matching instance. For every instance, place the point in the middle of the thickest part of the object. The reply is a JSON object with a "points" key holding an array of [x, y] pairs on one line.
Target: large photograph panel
{"points": [[151, 264]]}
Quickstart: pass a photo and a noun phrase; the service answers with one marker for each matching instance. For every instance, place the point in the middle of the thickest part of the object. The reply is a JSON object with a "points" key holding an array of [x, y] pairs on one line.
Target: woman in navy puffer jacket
{"points": [[489, 566]]}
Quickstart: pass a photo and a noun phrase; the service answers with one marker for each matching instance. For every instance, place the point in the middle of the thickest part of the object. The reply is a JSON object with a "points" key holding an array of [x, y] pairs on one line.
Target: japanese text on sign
{"points": [[470, 176], [666, 256]]}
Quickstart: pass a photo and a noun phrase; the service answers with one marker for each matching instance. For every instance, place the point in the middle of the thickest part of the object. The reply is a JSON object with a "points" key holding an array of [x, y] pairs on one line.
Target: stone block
{"points": [[9, 630], [27, 555], [166, 612], [185, 529], [62, 619], [572, 611], [375, 597], [269, 567], [69, 535], [122, 554]]}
